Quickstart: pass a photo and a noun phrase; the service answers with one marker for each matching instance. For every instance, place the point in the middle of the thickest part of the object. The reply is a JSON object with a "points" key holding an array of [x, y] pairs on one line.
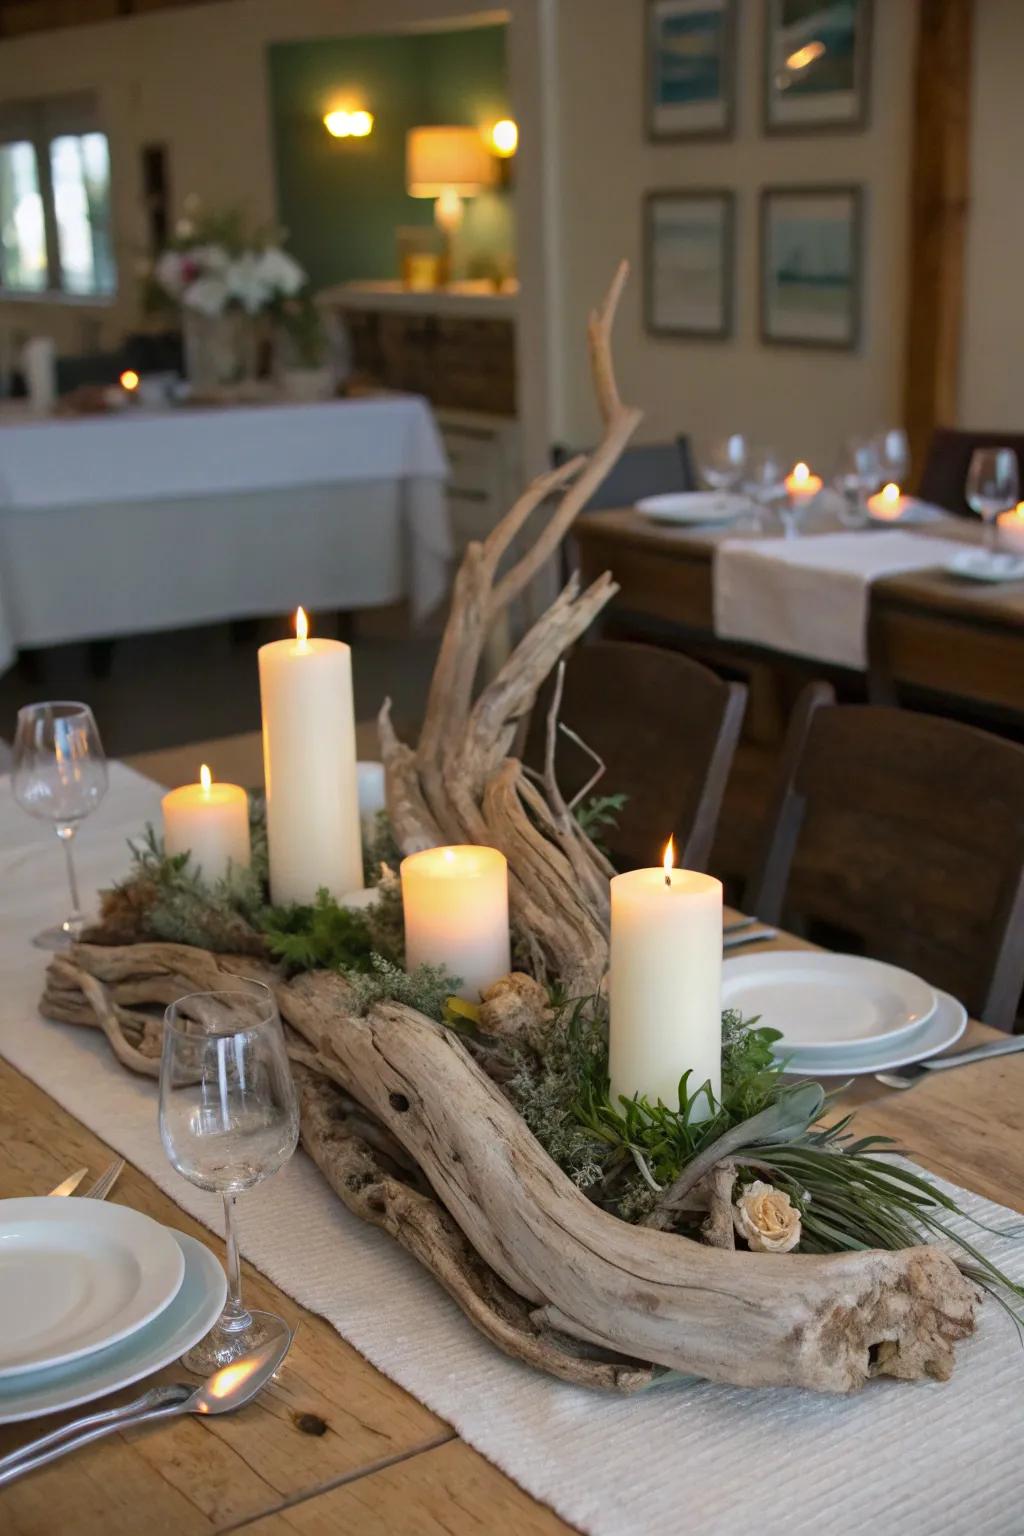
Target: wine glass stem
{"points": [[235, 1315], [991, 535], [75, 920]]}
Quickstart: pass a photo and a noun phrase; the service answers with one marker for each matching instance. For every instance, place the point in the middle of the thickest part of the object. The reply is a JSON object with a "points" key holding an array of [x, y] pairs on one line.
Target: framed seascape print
{"points": [[688, 263], [817, 64], [811, 266], [690, 53]]}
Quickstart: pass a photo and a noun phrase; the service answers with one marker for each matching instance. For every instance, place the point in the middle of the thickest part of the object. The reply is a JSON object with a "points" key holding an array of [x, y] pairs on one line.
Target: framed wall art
{"points": [[689, 241], [690, 68], [811, 266], [817, 64]]}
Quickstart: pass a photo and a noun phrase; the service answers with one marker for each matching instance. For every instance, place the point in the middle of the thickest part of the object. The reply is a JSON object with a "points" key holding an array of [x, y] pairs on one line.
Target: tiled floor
{"points": [[170, 689]]}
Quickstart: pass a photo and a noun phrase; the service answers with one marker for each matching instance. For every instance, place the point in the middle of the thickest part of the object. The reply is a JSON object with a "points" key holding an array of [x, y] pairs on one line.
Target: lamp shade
{"points": [[447, 160]]}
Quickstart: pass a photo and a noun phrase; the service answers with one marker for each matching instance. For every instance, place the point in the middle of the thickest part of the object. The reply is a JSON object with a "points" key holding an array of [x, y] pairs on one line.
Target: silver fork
{"points": [[106, 1181]]}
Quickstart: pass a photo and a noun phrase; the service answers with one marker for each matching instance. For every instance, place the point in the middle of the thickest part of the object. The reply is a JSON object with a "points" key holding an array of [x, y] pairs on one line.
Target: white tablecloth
{"points": [[683, 1459], [132, 522], [810, 596]]}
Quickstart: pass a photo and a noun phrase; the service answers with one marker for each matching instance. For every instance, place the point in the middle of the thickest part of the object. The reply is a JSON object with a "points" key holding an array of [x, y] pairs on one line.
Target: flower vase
{"points": [[221, 351]]}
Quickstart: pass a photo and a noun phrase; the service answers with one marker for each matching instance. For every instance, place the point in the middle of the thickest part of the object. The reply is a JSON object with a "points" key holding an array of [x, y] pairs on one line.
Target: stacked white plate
{"points": [[92, 1298], [841, 1015], [694, 508]]}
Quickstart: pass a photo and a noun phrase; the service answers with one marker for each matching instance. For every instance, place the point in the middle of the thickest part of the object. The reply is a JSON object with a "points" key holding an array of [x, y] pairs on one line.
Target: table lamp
{"points": [[447, 164]]}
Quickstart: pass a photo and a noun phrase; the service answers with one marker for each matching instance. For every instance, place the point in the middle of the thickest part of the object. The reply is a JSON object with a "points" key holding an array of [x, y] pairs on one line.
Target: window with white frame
{"points": [[55, 200]]}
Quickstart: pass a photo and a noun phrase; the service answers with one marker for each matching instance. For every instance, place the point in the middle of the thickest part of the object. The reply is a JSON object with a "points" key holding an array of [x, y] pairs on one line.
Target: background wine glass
{"points": [[723, 465], [59, 776], [858, 475], [992, 487], [228, 1119], [893, 449], [765, 480]]}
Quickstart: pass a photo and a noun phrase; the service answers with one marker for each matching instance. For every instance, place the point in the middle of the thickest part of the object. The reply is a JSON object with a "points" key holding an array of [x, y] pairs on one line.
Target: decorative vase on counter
{"points": [[221, 351]]}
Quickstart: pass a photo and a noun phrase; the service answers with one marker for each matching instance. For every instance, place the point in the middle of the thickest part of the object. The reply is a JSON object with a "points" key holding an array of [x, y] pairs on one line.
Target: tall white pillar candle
{"points": [[665, 984], [210, 822], [309, 766], [456, 914]]}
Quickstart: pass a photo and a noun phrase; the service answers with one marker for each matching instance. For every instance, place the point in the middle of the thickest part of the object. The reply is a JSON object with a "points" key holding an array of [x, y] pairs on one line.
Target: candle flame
{"points": [[205, 777], [301, 625], [129, 379], [891, 492], [668, 862], [801, 473]]}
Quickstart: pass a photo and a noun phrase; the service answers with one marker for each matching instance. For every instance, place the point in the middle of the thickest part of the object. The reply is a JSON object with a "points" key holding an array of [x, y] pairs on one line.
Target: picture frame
{"points": [[689, 262], [817, 65], [690, 69], [811, 266]]}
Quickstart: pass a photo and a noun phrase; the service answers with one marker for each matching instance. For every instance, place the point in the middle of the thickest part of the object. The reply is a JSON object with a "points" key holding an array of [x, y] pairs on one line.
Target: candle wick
{"points": [[668, 878]]}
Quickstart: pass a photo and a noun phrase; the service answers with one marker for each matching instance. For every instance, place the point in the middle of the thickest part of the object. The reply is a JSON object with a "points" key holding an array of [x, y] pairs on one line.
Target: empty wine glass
{"points": [[992, 487], [765, 480], [725, 462], [228, 1119], [858, 475], [893, 449], [59, 776]]}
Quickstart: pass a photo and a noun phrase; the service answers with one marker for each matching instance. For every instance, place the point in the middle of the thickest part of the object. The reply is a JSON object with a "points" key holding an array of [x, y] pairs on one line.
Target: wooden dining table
{"points": [[928, 629], [333, 1446]]}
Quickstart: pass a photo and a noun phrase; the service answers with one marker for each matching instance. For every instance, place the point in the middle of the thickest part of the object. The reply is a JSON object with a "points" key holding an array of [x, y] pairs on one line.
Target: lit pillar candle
{"points": [[665, 983], [456, 914], [1011, 529], [888, 505], [309, 767], [209, 821], [801, 484]]}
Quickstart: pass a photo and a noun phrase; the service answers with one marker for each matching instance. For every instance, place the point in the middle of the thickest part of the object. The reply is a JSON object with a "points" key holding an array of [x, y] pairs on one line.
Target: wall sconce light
{"points": [[349, 125], [505, 138]]}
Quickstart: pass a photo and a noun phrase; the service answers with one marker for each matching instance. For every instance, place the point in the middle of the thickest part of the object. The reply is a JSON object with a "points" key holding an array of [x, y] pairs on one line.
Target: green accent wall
{"points": [[342, 200]]}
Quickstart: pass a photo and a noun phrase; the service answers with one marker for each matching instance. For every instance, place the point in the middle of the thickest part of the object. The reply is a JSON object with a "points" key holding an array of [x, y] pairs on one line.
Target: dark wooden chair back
{"points": [[901, 836], [666, 729], [949, 455], [648, 469]]}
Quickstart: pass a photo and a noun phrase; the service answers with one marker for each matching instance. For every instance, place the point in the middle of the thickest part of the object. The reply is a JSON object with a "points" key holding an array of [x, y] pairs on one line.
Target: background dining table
{"points": [[334, 1445]]}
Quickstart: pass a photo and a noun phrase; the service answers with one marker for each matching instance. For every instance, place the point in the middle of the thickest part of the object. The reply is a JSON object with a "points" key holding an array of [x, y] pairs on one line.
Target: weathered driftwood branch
{"points": [[541, 1270], [460, 785]]}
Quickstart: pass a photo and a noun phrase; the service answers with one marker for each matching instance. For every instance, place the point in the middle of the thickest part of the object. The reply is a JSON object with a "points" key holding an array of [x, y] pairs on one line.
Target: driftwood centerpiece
{"points": [[417, 1137]]}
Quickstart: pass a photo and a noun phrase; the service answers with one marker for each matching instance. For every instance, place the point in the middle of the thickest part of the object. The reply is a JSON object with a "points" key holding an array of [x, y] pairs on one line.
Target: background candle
{"points": [[456, 914], [888, 504], [309, 765], [665, 983], [1010, 527], [800, 484], [209, 821]]}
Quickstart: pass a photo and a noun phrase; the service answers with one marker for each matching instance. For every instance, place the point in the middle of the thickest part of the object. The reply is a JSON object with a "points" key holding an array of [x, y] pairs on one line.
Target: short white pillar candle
{"points": [[456, 914], [209, 821], [665, 984]]}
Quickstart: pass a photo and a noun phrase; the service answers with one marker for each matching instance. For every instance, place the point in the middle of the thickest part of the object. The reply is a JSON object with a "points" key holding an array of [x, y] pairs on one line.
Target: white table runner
{"points": [[810, 596], [683, 1460]]}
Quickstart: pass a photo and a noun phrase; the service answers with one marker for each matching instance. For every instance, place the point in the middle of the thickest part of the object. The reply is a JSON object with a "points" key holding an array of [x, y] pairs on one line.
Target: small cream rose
{"points": [[765, 1217]]}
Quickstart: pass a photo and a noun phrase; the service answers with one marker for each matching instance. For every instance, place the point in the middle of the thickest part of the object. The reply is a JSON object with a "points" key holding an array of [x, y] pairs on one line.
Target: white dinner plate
{"points": [[189, 1318], [77, 1276], [824, 1003], [693, 507], [984, 565], [942, 1030]]}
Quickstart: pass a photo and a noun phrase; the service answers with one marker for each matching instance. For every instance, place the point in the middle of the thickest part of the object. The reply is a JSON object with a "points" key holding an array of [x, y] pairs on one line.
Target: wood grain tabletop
{"points": [[334, 1446]]}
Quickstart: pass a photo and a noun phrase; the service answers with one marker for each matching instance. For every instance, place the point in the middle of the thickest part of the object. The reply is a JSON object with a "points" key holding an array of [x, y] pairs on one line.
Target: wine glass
{"points": [[858, 475], [725, 462], [893, 449], [60, 775], [228, 1119], [992, 487], [765, 481]]}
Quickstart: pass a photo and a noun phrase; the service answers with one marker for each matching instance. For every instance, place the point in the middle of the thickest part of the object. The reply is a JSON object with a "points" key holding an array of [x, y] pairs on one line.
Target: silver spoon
{"points": [[227, 1389], [906, 1077]]}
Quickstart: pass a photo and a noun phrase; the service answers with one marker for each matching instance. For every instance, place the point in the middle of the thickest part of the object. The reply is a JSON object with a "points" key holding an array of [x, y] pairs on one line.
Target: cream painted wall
{"points": [[804, 402], [992, 371]]}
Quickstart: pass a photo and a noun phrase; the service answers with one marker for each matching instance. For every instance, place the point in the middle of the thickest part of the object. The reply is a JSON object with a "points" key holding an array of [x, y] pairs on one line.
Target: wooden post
{"points": [[939, 183]]}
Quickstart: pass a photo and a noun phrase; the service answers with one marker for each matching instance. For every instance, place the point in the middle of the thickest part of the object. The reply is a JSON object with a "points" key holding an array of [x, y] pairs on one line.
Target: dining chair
{"points": [[647, 469], [665, 728], [901, 836], [949, 455]]}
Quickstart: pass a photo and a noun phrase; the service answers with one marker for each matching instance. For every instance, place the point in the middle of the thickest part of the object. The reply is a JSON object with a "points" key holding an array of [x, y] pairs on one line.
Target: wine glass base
{"points": [[222, 1346], [55, 939]]}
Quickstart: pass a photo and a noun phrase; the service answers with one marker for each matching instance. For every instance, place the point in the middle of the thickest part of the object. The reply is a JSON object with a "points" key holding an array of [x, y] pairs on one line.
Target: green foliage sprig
{"points": [[323, 936]]}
